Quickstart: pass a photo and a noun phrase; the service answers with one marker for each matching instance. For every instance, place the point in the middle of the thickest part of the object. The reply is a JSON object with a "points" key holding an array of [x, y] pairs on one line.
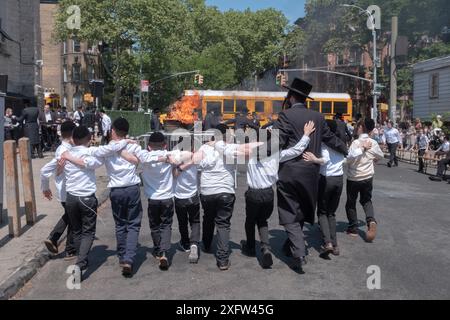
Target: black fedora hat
{"points": [[301, 87]]}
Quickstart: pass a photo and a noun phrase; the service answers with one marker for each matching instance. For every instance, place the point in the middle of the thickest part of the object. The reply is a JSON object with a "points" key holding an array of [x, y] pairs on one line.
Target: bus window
{"points": [[340, 107], [241, 106], [314, 105], [259, 106], [326, 107], [215, 106], [228, 106], [277, 106]]}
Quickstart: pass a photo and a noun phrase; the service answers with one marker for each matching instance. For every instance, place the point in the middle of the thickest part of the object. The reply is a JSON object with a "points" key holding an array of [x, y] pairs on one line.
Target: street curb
{"points": [[25, 273]]}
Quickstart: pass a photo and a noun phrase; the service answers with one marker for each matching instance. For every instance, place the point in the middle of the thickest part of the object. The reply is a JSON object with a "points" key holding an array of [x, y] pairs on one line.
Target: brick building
{"points": [[68, 66], [20, 50]]}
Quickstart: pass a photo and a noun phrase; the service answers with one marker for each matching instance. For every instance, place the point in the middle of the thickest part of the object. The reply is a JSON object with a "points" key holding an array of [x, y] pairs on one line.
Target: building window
{"points": [[241, 106], [434, 86], [76, 45], [65, 47], [77, 100], [91, 72], [277, 106], [259, 106], [76, 72], [228, 106], [65, 102], [326, 107], [65, 77], [215, 106]]}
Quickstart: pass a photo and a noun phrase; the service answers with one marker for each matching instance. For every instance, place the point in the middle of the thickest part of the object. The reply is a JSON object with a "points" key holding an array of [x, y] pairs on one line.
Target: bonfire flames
{"points": [[184, 110]]}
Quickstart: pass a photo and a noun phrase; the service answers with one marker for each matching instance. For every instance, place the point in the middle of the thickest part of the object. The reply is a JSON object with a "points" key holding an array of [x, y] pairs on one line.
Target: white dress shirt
{"points": [[50, 169], [392, 135], [445, 147], [106, 124], [121, 172], [157, 176], [264, 174], [334, 163], [48, 117], [81, 182], [216, 176], [186, 184]]}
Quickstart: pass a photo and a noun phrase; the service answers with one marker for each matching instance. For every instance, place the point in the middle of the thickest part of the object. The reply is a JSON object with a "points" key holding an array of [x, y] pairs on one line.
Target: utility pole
{"points": [[375, 75], [393, 97]]}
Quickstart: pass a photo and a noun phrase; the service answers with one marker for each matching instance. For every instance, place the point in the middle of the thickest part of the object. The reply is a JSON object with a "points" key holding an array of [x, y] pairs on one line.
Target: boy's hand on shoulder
{"points": [[48, 194], [310, 157], [309, 128], [367, 145]]}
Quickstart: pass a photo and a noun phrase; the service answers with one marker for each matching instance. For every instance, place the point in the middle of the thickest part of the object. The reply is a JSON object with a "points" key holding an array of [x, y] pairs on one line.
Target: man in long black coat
{"points": [[30, 116], [298, 182]]}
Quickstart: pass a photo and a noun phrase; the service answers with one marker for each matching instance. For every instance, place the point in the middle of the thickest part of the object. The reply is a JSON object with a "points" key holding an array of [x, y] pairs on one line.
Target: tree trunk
{"points": [[117, 90]]}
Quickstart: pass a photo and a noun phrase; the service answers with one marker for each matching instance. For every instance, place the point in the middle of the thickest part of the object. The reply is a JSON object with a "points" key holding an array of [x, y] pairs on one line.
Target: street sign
{"points": [[145, 85]]}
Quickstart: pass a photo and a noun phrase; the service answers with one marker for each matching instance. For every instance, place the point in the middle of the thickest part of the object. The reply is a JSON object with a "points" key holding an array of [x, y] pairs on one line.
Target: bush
{"points": [[139, 121]]}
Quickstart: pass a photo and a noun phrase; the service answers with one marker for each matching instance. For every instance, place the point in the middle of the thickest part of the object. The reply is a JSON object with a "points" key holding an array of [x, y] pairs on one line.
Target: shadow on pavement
{"points": [[7, 238], [97, 257]]}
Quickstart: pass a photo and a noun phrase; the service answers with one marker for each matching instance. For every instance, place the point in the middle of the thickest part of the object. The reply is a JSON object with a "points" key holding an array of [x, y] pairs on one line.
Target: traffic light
{"points": [[197, 79], [279, 79], [200, 80]]}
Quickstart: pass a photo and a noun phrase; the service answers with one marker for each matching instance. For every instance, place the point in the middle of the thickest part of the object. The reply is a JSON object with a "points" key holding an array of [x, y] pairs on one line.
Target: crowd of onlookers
{"points": [[47, 124]]}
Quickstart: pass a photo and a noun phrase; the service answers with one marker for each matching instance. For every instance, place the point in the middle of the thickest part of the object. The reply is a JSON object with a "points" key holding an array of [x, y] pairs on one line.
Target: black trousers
{"points": [[421, 154], [160, 216], [127, 212], [330, 191], [392, 147], [188, 212], [82, 212], [364, 190], [442, 164], [258, 209], [218, 210], [59, 229]]}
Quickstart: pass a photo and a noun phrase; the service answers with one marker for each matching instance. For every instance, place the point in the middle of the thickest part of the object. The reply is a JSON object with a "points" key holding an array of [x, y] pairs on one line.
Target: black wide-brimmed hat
{"points": [[301, 87]]}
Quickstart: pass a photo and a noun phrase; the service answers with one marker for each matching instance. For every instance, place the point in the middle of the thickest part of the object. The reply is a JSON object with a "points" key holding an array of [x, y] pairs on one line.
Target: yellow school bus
{"points": [[229, 103]]}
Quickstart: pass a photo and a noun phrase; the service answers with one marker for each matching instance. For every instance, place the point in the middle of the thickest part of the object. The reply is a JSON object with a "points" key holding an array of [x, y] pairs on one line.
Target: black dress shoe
{"points": [[298, 265], [389, 164], [266, 260], [435, 178]]}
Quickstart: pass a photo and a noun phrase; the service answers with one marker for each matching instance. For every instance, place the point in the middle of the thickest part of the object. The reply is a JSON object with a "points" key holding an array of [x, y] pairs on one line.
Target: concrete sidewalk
{"points": [[20, 258]]}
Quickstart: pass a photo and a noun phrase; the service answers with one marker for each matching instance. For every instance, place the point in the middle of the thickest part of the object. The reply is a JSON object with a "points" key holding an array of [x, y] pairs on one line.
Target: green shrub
{"points": [[139, 121]]}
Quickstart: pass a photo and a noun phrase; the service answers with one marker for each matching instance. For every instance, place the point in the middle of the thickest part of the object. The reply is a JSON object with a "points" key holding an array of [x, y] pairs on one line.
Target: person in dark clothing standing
{"points": [[298, 182], [155, 123], [342, 131], [89, 121], [30, 116], [242, 122], [211, 121]]}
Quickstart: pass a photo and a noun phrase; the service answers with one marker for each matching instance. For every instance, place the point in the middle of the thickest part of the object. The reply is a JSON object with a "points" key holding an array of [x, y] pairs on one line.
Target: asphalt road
{"points": [[411, 251]]}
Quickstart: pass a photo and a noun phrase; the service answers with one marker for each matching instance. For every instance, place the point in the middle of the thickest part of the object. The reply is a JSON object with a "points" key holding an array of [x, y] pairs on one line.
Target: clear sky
{"points": [[293, 9]]}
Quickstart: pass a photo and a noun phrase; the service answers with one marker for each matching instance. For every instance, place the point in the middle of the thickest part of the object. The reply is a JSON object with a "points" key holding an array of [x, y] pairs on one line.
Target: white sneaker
{"points": [[193, 255]]}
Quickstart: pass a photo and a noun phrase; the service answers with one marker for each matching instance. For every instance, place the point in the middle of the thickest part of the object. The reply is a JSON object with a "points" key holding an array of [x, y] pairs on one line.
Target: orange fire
{"points": [[184, 110]]}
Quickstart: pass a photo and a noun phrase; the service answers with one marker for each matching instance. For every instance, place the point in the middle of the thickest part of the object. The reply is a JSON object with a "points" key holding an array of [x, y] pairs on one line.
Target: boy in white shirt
{"points": [[60, 183], [81, 204], [158, 185], [360, 172], [262, 174], [187, 207], [331, 184]]}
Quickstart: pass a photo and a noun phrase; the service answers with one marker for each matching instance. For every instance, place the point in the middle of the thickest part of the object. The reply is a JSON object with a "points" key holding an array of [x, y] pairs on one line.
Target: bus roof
{"points": [[263, 94]]}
